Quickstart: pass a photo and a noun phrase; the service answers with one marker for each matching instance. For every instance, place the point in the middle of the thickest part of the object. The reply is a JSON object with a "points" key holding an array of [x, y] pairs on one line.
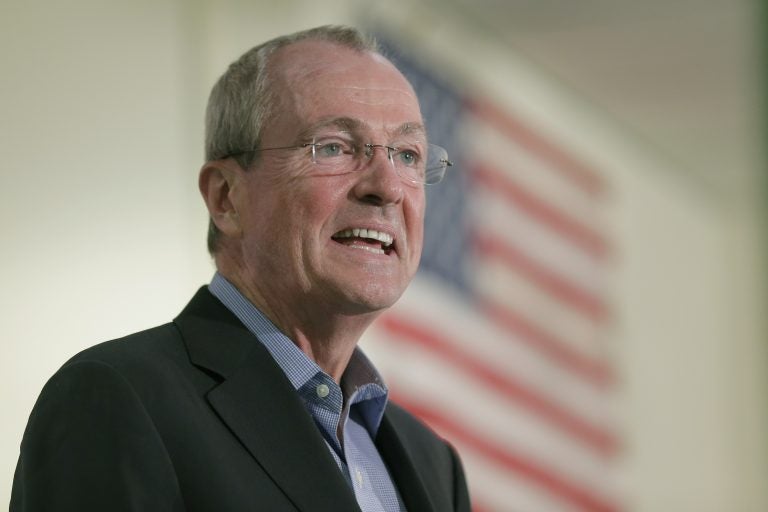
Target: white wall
{"points": [[103, 231]]}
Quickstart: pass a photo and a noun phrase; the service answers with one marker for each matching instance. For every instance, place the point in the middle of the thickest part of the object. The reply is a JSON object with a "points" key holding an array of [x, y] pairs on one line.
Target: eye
{"points": [[333, 148], [330, 149], [408, 157]]}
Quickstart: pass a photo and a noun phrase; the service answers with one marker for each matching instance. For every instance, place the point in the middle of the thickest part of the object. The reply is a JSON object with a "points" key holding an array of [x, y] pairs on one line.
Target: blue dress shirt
{"points": [[357, 405]]}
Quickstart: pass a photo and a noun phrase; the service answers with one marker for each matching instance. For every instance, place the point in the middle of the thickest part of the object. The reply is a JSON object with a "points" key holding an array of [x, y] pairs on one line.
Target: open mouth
{"points": [[377, 242]]}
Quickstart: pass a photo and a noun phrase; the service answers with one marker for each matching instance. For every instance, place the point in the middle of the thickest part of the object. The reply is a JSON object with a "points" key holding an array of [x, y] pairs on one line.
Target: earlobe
{"points": [[217, 183]]}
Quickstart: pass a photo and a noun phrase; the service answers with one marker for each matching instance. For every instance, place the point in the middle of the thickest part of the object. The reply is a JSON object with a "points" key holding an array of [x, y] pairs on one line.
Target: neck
{"points": [[326, 336], [330, 342]]}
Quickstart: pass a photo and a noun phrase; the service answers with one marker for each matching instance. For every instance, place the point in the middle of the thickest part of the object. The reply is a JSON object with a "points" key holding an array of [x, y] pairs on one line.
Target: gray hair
{"points": [[243, 99]]}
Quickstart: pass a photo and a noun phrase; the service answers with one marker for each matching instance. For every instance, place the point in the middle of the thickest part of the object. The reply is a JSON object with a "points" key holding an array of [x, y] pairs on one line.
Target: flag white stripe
{"points": [[561, 161], [507, 222], [531, 172], [483, 175], [497, 283]]}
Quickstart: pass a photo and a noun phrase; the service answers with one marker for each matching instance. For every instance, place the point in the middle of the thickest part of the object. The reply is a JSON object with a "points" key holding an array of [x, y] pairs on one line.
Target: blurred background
{"points": [[588, 325]]}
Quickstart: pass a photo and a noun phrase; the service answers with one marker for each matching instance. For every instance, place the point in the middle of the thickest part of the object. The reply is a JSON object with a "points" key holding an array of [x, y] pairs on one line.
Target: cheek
{"points": [[321, 197], [415, 216]]}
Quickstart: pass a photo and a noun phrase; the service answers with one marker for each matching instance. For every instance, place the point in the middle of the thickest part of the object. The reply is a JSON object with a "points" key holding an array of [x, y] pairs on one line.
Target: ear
{"points": [[218, 184]]}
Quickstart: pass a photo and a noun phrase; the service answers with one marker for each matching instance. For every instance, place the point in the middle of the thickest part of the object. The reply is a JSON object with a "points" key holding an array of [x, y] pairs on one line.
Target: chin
{"points": [[361, 305], [371, 298]]}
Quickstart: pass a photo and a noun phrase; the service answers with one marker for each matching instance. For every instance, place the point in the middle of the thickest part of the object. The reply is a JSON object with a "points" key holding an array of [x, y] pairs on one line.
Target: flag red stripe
{"points": [[405, 331], [521, 465], [576, 172], [557, 286], [556, 350], [483, 174]]}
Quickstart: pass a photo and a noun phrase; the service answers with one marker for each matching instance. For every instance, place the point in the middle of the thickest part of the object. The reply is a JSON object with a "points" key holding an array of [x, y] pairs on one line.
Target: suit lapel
{"points": [[259, 405], [409, 482]]}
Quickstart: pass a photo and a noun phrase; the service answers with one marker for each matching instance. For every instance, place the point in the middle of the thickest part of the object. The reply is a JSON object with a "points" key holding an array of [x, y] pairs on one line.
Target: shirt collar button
{"points": [[322, 390]]}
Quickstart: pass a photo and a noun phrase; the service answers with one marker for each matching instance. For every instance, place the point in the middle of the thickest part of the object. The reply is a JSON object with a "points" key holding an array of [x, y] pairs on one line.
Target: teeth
{"points": [[385, 238], [374, 250]]}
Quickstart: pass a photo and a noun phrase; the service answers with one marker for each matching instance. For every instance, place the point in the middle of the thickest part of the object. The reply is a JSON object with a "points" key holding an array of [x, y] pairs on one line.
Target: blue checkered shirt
{"points": [[366, 397]]}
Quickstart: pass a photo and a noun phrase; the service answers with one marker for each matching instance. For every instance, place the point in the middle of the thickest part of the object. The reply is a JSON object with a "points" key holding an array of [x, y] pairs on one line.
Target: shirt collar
{"points": [[361, 383]]}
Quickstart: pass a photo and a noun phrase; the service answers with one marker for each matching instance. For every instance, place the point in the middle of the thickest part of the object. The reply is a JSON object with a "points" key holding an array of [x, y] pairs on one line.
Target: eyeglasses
{"points": [[340, 156]]}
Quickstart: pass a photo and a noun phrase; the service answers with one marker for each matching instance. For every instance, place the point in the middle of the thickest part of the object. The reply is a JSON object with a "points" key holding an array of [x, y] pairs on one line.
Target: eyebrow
{"points": [[350, 124], [409, 128]]}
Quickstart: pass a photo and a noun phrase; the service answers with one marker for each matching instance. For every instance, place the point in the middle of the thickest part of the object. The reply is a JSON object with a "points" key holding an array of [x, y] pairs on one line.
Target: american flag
{"points": [[500, 342]]}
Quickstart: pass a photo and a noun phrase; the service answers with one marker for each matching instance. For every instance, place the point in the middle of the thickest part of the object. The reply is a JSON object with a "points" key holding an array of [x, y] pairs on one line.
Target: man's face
{"points": [[293, 217]]}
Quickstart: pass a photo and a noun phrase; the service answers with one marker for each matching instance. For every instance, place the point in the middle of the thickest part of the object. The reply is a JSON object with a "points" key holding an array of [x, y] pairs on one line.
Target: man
{"points": [[256, 396]]}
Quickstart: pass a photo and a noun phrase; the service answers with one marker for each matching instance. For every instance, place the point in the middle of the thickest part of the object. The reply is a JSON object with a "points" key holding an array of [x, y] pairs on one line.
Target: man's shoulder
{"points": [[140, 346], [141, 358]]}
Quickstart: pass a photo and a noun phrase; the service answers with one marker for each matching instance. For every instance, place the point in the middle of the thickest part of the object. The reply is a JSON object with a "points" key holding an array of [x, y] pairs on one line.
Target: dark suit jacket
{"points": [[195, 415]]}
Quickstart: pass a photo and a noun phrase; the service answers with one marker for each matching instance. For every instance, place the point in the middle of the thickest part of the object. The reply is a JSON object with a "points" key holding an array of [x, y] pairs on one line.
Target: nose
{"points": [[378, 183]]}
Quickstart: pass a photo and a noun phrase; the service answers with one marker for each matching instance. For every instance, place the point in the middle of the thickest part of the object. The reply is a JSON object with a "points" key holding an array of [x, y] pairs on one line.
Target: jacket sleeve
{"points": [[91, 445]]}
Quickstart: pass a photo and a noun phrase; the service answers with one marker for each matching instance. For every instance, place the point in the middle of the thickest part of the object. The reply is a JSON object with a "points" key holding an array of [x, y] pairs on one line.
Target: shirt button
{"points": [[322, 390], [359, 477]]}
